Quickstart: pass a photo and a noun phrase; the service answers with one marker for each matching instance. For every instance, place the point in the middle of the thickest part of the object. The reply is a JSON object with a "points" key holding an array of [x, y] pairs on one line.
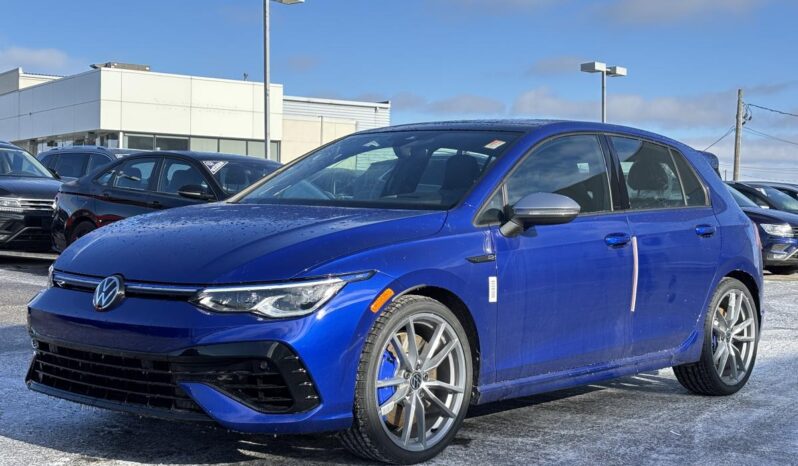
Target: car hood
{"points": [[29, 188], [239, 243], [760, 215]]}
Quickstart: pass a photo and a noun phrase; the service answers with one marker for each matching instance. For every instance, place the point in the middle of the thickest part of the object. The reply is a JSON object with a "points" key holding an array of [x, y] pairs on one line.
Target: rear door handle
{"points": [[617, 239], [705, 231], [156, 204]]}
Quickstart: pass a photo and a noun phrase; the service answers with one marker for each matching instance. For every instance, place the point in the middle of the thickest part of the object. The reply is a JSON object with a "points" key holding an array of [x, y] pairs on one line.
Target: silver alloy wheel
{"points": [[733, 337], [428, 382]]}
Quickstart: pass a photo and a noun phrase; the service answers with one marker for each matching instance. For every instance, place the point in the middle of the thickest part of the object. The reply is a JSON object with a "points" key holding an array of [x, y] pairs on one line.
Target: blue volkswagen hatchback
{"points": [[383, 283]]}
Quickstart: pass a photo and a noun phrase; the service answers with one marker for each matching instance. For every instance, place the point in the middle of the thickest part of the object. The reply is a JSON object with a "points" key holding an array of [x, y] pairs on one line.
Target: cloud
{"points": [[45, 60], [663, 11], [761, 158], [555, 65], [302, 63], [709, 110]]}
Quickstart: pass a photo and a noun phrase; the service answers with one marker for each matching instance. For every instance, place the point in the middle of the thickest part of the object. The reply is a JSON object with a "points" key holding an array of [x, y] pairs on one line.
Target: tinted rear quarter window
{"points": [[693, 189], [72, 165]]}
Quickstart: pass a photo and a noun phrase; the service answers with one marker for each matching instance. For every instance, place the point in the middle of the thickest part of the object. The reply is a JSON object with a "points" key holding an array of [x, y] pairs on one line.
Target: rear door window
{"points": [[135, 174], [177, 174], [651, 176]]}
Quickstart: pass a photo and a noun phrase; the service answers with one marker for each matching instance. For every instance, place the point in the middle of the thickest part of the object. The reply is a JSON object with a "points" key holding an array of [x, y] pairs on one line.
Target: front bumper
{"points": [[187, 364], [781, 252], [26, 231]]}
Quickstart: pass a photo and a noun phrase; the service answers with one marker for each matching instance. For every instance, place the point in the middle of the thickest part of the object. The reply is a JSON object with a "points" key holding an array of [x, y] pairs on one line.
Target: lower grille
{"points": [[268, 377]]}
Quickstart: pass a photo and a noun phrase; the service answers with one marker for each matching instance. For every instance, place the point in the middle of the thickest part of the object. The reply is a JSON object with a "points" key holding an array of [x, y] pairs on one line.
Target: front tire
{"points": [[413, 384], [731, 337], [82, 229]]}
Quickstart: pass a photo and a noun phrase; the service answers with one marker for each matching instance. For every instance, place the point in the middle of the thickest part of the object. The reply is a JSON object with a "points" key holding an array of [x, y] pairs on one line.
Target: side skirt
{"points": [[587, 375]]}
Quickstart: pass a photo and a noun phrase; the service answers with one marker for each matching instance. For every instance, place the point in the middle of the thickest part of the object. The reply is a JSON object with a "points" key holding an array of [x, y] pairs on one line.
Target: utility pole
{"points": [[267, 140], [738, 134]]}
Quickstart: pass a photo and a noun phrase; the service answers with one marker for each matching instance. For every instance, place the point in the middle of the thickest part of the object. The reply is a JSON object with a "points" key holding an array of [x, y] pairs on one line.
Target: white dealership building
{"points": [[131, 107]]}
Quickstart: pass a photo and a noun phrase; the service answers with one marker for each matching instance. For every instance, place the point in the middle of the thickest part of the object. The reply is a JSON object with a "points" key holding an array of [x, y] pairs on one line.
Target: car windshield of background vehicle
{"points": [[15, 162], [740, 198], [403, 169], [234, 176], [778, 198]]}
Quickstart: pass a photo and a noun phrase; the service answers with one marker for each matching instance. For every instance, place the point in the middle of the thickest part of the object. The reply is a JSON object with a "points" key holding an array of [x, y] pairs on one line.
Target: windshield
{"points": [[16, 162], [234, 176], [407, 169], [742, 201], [778, 198]]}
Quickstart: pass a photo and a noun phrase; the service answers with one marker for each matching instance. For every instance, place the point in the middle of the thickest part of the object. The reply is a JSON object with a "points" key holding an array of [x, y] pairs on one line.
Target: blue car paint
{"points": [[411, 250]]}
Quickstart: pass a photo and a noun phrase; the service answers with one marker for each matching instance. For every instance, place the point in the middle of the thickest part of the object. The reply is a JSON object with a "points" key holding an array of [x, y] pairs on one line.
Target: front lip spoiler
{"points": [[120, 407]]}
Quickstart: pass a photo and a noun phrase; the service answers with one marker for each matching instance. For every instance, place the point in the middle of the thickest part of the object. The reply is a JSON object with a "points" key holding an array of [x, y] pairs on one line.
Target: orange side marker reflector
{"points": [[381, 300]]}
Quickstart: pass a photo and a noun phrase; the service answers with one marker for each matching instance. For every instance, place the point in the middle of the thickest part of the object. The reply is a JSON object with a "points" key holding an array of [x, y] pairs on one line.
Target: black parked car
{"points": [[147, 182], [71, 163], [765, 196], [787, 188], [27, 190], [778, 231]]}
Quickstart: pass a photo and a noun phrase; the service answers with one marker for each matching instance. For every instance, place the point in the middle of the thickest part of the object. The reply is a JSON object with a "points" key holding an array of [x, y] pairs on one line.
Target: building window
{"points": [[256, 149], [205, 144], [274, 148], [140, 141], [171, 143], [232, 146]]}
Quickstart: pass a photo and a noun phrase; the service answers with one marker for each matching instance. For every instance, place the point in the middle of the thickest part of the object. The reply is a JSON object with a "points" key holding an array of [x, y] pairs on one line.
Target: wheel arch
{"points": [[753, 287], [456, 304]]}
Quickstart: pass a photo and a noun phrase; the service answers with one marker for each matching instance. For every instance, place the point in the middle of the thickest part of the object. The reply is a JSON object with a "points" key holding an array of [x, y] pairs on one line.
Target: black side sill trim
{"points": [[482, 258]]}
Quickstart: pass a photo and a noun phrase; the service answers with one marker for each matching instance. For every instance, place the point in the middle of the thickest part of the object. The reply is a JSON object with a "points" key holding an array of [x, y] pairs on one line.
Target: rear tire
{"points": [[731, 337], [82, 229], [423, 393]]}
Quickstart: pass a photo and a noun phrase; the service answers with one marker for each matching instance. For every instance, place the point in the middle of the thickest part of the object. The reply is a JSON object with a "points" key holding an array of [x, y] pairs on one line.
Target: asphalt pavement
{"points": [[647, 419]]}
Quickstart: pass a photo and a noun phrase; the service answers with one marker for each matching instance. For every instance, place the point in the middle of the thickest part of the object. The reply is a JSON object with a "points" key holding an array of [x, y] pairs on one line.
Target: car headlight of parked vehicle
{"points": [[282, 300], [782, 230], [10, 204]]}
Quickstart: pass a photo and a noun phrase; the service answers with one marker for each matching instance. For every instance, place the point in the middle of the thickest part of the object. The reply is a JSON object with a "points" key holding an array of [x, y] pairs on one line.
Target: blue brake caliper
{"points": [[387, 370]]}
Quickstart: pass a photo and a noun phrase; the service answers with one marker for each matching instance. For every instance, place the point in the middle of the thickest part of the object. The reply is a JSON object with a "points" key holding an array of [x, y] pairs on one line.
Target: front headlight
{"points": [[783, 230], [10, 204], [276, 301]]}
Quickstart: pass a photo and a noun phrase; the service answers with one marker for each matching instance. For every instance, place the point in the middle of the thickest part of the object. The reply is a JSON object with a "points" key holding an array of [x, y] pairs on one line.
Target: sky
{"points": [[452, 59]]}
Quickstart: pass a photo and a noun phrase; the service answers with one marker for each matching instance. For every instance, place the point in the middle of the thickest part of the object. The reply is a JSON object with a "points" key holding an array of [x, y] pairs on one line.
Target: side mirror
{"points": [[195, 191], [540, 209]]}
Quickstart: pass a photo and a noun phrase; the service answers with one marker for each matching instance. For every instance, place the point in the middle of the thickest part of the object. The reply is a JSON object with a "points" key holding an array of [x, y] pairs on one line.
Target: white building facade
{"points": [[118, 107]]}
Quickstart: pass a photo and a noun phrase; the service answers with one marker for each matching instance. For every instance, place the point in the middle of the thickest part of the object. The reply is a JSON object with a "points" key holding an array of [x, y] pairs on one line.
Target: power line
{"points": [[720, 138], [773, 110], [769, 136]]}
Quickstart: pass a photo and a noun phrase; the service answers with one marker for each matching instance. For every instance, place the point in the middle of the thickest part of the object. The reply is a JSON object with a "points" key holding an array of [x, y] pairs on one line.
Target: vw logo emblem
{"points": [[109, 293]]}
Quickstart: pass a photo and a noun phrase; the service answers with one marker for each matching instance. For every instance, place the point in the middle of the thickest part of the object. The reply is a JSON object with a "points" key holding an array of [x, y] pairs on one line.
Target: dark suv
{"points": [[27, 190], [74, 162], [147, 182]]}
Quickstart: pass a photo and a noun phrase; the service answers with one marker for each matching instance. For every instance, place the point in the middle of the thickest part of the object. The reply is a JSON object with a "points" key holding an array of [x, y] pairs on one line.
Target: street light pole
{"points": [[267, 140], [612, 72]]}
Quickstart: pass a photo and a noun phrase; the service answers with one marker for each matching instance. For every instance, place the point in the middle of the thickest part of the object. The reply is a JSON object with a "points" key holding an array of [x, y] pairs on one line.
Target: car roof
{"points": [[201, 156], [774, 184], [8, 145], [90, 149], [526, 126]]}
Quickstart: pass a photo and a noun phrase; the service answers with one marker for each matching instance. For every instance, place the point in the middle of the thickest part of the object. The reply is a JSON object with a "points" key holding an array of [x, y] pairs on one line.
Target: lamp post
{"points": [[611, 71], [267, 142]]}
